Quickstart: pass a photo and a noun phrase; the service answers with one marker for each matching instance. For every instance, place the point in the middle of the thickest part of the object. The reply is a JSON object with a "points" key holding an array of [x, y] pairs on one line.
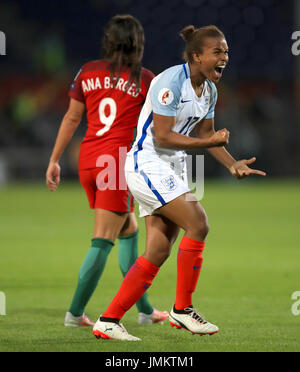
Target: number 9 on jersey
{"points": [[104, 119]]}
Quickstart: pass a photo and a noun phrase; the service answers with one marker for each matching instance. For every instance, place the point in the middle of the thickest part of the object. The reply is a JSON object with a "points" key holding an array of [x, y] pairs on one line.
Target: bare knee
{"points": [[164, 254], [158, 255], [204, 229], [130, 226], [108, 224], [199, 230], [161, 235]]}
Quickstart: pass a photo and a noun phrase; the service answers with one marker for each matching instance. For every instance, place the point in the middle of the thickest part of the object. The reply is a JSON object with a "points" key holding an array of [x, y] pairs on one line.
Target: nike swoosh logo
{"points": [[182, 101]]}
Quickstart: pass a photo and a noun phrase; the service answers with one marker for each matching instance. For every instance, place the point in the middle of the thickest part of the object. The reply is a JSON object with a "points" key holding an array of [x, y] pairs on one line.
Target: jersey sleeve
{"points": [[165, 94], [213, 101], [75, 88]]}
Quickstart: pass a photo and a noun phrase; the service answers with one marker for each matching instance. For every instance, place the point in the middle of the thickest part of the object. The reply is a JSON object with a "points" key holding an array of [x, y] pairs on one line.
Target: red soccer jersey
{"points": [[112, 113]]}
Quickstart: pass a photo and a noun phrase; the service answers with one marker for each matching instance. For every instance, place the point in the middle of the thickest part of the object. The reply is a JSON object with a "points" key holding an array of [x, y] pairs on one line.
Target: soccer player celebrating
{"points": [[112, 91], [180, 99]]}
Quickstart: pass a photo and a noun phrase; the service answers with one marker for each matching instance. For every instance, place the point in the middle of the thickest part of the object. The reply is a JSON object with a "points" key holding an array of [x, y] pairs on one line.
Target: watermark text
{"points": [[296, 44], [149, 362], [296, 305], [2, 303], [173, 173], [2, 43]]}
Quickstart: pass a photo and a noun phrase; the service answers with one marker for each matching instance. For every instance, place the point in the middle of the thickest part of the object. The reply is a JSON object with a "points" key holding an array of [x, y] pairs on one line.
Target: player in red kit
{"points": [[112, 113], [112, 91]]}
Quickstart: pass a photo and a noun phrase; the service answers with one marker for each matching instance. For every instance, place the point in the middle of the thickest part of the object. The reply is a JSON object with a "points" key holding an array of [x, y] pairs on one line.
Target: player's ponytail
{"points": [[195, 39], [187, 32], [123, 45]]}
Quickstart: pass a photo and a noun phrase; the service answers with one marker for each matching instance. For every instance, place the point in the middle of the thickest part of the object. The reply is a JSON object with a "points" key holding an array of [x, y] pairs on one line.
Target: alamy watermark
{"points": [[2, 43], [2, 303], [296, 305], [296, 44], [162, 179]]}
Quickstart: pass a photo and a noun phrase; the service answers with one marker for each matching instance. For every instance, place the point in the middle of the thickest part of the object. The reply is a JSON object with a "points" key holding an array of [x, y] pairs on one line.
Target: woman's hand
{"points": [[53, 176], [240, 169], [219, 138]]}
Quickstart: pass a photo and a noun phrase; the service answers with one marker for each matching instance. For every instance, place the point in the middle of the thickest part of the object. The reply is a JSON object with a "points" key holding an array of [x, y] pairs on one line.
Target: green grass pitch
{"points": [[251, 268]]}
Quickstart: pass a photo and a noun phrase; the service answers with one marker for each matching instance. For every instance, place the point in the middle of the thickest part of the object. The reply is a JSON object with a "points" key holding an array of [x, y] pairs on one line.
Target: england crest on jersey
{"points": [[169, 183]]}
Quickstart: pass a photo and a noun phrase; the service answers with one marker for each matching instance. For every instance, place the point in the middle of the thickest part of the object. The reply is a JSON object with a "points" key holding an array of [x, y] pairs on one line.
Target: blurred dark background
{"points": [[48, 42]]}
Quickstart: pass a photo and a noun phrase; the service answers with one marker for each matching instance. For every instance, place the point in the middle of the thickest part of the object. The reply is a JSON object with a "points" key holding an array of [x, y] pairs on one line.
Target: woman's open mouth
{"points": [[219, 71]]}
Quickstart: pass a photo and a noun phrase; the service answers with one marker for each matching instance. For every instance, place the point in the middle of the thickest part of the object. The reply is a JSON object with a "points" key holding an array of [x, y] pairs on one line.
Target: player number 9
{"points": [[106, 120]]}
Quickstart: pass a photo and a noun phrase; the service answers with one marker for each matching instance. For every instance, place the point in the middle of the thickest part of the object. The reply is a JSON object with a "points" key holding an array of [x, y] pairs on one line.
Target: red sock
{"points": [[189, 262], [138, 279]]}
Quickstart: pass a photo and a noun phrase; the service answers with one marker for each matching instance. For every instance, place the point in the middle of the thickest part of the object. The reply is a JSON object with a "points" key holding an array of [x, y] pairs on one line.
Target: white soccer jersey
{"points": [[171, 94]]}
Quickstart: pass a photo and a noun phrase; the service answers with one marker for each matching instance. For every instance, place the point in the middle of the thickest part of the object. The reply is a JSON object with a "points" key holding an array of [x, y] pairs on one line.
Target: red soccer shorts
{"points": [[104, 190]]}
